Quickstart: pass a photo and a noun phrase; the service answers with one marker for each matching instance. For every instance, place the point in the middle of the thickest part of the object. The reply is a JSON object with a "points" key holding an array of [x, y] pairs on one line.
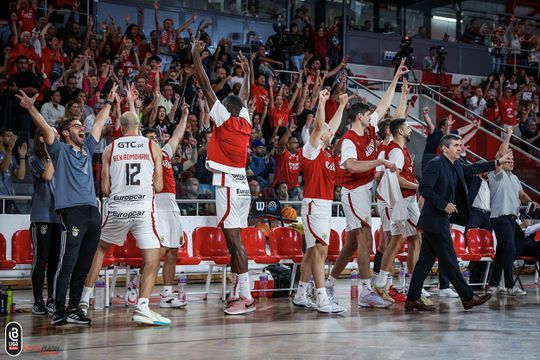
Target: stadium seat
{"points": [[480, 248], [210, 245], [528, 260], [126, 257], [286, 244], [254, 242], [4, 263], [21, 247], [183, 255]]}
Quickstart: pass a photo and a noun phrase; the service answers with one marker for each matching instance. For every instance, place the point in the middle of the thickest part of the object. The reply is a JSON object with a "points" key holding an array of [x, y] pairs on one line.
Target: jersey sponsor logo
{"points": [[127, 215], [370, 148], [137, 197], [294, 166], [241, 192], [330, 165], [126, 157], [130, 144], [167, 164], [239, 177], [260, 205]]}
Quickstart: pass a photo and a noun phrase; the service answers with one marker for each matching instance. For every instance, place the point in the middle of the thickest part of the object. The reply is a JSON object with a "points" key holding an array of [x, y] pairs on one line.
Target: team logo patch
{"points": [[75, 231], [43, 229], [324, 236], [272, 206]]}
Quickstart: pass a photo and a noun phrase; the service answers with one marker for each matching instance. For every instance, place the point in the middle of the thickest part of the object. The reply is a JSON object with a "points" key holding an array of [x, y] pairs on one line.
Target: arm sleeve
{"points": [[309, 152], [167, 149], [219, 113], [54, 148], [348, 151], [396, 156]]}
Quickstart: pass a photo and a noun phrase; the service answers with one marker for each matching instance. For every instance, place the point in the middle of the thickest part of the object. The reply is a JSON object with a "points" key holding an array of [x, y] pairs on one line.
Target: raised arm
{"points": [[102, 116], [185, 25], [246, 84], [178, 133], [252, 73], [156, 16], [106, 170], [429, 122], [319, 125], [386, 100], [295, 94], [28, 104], [338, 116], [132, 95], [401, 111], [196, 48], [171, 113]]}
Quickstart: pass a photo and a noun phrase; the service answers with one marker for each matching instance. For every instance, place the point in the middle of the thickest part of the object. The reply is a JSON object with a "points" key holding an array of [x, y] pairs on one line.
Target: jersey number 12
{"points": [[132, 170]]}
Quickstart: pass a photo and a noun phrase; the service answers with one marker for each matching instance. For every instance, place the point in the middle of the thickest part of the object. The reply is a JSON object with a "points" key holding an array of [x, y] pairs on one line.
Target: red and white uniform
{"points": [[227, 159], [507, 109], [131, 203], [402, 158], [356, 190], [169, 223], [382, 205], [288, 168], [319, 174]]}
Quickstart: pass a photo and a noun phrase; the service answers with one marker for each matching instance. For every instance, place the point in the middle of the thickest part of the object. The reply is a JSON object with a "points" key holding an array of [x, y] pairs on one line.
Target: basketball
{"points": [[288, 213], [264, 228]]}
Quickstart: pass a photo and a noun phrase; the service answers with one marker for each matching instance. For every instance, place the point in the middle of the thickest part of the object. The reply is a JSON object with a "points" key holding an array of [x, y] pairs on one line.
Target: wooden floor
{"points": [[505, 328]]}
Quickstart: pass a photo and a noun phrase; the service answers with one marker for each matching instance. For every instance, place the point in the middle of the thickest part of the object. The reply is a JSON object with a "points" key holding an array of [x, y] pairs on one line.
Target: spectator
{"points": [[52, 111], [295, 43], [532, 136], [422, 33], [193, 192], [477, 103], [254, 189], [70, 91], [261, 163], [507, 106], [9, 166], [288, 162], [319, 39], [430, 62], [221, 84], [282, 192]]}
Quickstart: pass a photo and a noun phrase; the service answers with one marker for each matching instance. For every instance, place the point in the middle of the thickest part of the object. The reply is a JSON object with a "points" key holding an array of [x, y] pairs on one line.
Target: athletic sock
{"points": [[243, 286], [167, 290], [389, 282], [142, 303], [381, 279], [234, 285], [87, 291], [322, 296], [377, 261], [331, 281], [302, 289], [366, 285]]}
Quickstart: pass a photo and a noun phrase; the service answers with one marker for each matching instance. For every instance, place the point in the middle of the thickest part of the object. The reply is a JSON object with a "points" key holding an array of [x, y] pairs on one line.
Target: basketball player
{"points": [[168, 213], [359, 159], [130, 179], [227, 159], [319, 173]]}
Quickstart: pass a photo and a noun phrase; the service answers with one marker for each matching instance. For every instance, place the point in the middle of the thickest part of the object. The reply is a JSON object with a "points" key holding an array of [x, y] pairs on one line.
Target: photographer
{"points": [[405, 52]]}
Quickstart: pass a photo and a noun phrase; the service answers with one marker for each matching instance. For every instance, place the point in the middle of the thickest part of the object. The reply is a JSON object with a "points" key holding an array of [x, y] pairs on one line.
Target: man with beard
{"points": [[76, 203]]}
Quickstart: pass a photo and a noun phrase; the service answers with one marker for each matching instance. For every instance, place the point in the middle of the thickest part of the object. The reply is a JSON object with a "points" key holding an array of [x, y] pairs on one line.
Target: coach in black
{"points": [[444, 189]]}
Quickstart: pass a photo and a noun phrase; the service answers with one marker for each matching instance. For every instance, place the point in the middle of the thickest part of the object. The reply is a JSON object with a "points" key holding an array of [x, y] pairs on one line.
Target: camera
{"points": [[441, 54], [405, 51], [406, 45]]}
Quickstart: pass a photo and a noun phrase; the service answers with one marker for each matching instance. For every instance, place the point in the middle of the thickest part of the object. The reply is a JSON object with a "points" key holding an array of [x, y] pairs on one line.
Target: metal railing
{"points": [[514, 53]]}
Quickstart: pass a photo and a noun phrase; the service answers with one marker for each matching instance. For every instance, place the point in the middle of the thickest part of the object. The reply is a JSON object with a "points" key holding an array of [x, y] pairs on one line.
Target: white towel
{"points": [[390, 191]]}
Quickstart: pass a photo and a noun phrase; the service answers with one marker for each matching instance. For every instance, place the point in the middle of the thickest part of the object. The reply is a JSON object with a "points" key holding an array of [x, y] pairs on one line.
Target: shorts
{"points": [[317, 221], [170, 229], [232, 207], [357, 207], [384, 213], [141, 224], [407, 227]]}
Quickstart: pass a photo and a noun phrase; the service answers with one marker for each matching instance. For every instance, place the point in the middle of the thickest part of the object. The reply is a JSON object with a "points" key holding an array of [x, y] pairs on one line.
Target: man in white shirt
{"points": [[52, 111]]}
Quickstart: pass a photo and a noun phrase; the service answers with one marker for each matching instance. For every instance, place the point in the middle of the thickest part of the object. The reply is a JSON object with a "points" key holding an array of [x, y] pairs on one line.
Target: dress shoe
{"points": [[476, 300], [419, 305]]}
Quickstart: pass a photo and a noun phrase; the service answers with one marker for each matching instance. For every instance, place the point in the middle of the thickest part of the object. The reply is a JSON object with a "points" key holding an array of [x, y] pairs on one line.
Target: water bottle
{"points": [[263, 285], [182, 284], [310, 291], [9, 293], [354, 284], [466, 275], [401, 276], [99, 301], [407, 280]]}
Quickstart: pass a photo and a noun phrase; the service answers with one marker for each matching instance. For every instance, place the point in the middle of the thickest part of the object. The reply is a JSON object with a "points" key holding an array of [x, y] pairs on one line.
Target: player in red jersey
{"points": [[319, 174], [168, 214], [227, 159], [288, 162], [359, 158]]}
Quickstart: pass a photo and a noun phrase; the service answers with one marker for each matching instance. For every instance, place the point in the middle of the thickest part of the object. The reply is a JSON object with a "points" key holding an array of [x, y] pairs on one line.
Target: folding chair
{"points": [[480, 248], [286, 244], [4, 263]]}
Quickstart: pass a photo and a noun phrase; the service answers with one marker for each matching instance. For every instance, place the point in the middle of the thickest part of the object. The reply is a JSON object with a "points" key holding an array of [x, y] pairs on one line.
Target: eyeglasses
{"points": [[78, 126]]}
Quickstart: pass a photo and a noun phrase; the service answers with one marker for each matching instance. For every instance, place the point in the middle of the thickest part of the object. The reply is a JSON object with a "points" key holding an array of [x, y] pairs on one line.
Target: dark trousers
{"points": [[438, 246], [46, 243], [531, 248], [81, 229], [479, 219], [505, 227]]}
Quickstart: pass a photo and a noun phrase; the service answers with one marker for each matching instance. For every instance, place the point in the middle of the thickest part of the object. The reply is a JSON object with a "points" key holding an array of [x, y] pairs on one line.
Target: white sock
{"points": [[389, 282], [331, 281], [302, 289], [142, 303], [86, 292], [381, 279], [167, 290], [243, 286], [365, 284], [322, 296]]}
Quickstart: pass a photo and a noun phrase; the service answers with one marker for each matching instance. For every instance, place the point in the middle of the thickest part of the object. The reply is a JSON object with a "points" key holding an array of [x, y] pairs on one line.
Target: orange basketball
{"points": [[288, 213], [264, 228]]}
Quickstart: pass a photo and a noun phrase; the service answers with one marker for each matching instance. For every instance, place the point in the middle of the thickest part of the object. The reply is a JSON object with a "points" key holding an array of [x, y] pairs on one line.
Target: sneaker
{"points": [[304, 302], [398, 296], [502, 290], [241, 306], [39, 308], [331, 308], [59, 318], [516, 291], [84, 306], [77, 316], [230, 300], [449, 293], [382, 292], [171, 301], [426, 301], [371, 299], [331, 292], [51, 306], [425, 293], [148, 317]]}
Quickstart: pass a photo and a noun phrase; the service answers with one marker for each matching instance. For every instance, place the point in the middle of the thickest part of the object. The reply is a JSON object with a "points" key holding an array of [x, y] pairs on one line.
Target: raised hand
{"points": [[425, 110], [113, 92], [26, 101], [292, 127], [251, 105], [184, 107], [390, 165], [22, 150], [324, 95], [507, 158], [343, 99]]}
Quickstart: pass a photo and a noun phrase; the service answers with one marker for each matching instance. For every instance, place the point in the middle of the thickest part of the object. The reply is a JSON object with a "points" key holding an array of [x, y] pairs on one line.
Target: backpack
{"points": [[282, 278]]}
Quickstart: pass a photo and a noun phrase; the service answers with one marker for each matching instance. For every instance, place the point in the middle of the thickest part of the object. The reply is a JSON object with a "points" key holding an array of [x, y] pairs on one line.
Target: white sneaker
{"points": [[331, 292], [372, 299], [149, 317], [84, 306], [502, 290], [516, 291], [449, 293], [304, 302], [331, 308], [171, 301], [425, 293]]}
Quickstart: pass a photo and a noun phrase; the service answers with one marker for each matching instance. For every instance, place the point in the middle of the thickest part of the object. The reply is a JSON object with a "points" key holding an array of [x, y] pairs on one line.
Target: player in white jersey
{"points": [[168, 214], [131, 174]]}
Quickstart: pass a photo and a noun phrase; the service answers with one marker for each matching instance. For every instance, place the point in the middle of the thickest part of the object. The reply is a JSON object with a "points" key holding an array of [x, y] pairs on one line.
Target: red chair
{"points": [[126, 257], [480, 248], [210, 245], [528, 260], [286, 244], [254, 242], [183, 255], [4, 263], [21, 247]]}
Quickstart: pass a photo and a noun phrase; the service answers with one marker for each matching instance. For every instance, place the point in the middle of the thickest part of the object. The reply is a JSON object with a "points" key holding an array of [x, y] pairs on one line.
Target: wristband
{"points": [[108, 102], [498, 162], [21, 159]]}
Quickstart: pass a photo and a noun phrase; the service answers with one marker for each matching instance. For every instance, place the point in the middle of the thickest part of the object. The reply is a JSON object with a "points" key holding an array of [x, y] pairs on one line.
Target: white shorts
{"points": [[170, 229], [384, 213], [232, 207], [141, 224], [317, 220], [407, 227], [357, 207]]}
